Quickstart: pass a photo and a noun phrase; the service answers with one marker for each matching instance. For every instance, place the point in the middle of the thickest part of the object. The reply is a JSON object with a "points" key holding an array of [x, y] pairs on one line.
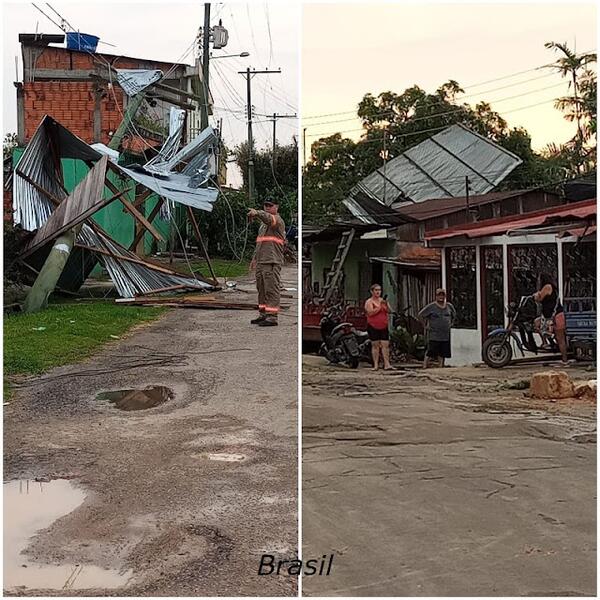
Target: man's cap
{"points": [[270, 203], [440, 291]]}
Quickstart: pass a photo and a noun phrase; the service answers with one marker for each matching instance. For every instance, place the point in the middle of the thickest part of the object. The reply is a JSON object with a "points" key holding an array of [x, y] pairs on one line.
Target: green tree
{"points": [[392, 123], [226, 228], [8, 145], [579, 153]]}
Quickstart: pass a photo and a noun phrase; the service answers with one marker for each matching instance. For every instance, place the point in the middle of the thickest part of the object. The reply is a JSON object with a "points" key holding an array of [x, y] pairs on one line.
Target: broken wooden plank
{"points": [[141, 219], [140, 234], [86, 199], [201, 243]]}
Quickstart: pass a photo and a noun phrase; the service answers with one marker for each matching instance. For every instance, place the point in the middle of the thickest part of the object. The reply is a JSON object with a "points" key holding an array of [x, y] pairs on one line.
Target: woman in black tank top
{"points": [[547, 295]]}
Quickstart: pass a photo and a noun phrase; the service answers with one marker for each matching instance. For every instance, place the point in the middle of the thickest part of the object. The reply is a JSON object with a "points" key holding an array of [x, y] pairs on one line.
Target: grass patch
{"points": [[65, 333], [222, 267]]}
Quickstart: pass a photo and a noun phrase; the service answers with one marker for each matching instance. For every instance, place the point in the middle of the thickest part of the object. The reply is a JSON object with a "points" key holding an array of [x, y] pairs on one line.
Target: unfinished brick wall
{"points": [[72, 103]]}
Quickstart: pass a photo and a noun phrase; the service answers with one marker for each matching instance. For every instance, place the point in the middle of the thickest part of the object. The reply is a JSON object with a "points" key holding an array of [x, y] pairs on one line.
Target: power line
{"points": [[458, 109], [304, 118], [394, 137]]}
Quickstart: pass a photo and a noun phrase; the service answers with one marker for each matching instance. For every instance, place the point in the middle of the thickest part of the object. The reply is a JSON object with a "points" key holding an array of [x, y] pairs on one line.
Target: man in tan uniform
{"points": [[268, 258]]}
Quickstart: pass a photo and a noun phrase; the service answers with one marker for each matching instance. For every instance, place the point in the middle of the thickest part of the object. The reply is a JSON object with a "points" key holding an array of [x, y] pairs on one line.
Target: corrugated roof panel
{"points": [[437, 167]]}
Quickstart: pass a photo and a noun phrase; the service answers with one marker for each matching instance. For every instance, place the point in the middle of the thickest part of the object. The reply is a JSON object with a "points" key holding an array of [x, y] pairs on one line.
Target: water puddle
{"points": [[29, 507], [137, 399]]}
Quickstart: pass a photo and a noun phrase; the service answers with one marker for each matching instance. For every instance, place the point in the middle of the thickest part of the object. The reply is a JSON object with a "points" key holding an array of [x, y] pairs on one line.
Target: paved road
{"points": [[446, 484], [158, 503]]}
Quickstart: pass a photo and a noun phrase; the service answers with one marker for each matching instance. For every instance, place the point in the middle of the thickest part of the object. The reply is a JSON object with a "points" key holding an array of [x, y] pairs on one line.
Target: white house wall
{"points": [[466, 343]]}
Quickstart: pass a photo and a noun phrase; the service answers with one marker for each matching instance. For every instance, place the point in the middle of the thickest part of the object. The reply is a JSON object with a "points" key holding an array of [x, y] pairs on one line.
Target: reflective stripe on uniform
{"points": [[271, 309], [269, 238]]}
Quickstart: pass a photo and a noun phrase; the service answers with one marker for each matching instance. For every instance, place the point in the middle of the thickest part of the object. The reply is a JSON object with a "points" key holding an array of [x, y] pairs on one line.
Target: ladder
{"points": [[333, 276]]}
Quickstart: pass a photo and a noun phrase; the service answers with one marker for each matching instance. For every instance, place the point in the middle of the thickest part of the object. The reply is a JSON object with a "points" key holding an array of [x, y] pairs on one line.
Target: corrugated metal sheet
{"points": [[132, 278], [84, 200], [437, 167], [133, 81], [577, 210]]}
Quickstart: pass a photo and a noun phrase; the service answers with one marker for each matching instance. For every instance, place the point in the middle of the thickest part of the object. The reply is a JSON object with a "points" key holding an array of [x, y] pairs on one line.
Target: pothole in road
{"points": [[29, 507], [137, 399]]}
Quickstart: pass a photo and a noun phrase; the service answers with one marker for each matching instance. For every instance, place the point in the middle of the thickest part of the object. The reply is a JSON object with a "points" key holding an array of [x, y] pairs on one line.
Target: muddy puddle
{"points": [[137, 399], [29, 507]]}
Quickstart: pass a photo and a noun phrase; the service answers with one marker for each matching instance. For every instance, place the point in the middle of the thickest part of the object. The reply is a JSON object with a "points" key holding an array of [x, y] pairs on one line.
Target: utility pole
{"points": [[274, 119], [384, 165], [205, 67], [248, 74], [304, 148]]}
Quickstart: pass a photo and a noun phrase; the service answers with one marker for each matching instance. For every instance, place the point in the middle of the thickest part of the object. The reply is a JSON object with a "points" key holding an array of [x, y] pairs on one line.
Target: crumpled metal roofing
{"points": [[169, 148], [133, 81], [132, 278], [39, 162], [185, 176], [51, 140], [436, 168]]}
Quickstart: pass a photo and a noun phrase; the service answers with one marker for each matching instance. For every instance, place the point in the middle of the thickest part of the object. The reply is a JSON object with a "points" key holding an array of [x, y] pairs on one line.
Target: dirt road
{"points": [[446, 483], [183, 498]]}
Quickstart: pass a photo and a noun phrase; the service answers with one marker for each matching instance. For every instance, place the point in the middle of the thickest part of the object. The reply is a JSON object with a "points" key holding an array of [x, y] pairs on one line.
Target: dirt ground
{"points": [[185, 524], [446, 483]]}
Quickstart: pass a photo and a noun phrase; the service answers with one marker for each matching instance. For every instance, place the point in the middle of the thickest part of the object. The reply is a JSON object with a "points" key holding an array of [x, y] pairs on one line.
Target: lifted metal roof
{"points": [[437, 168]]}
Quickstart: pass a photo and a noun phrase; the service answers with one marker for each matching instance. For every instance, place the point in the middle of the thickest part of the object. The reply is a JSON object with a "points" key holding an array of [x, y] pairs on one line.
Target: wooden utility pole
{"points": [[205, 67], [248, 74], [304, 148], [274, 119]]}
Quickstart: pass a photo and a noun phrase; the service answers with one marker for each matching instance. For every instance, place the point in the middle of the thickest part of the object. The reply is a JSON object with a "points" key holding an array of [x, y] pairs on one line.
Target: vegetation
{"points": [[578, 155], [393, 122], [222, 267], [226, 228], [65, 333], [8, 145]]}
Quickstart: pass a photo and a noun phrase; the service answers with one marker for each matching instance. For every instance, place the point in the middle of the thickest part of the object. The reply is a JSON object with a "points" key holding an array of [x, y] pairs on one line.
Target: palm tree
{"points": [[572, 65]]}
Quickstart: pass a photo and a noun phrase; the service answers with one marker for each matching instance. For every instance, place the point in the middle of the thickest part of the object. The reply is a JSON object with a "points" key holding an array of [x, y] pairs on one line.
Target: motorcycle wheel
{"points": [[496, 353], [353, 362]]}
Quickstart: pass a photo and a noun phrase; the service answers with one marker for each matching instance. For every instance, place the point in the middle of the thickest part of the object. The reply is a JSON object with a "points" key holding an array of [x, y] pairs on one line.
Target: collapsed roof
{"points": [[435, 168], [41, 203]]}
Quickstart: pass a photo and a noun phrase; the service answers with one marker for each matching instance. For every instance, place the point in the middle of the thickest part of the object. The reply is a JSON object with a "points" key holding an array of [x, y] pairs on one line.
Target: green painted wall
{"points": [[323, 253], [113, 218]]}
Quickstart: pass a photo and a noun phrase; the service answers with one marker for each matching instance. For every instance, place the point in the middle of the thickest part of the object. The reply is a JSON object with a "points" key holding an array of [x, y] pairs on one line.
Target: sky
{"points": [[165, 31], [349, 50]]}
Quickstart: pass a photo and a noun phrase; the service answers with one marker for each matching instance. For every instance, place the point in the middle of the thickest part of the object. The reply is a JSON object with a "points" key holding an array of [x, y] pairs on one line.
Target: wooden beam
{"points": [[151, 217], [142, 198], [201, 242], [137, 261], [140, 218], [39, 188]]}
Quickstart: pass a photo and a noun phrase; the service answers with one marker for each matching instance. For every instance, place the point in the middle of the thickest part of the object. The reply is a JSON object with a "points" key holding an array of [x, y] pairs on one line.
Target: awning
{"points": [[577, 210], [407, 264]]}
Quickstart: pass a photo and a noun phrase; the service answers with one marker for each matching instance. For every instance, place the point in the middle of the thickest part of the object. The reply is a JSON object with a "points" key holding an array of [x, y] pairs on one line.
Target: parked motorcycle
{"points": [[406, 340], [497, 350], [342, 342]]}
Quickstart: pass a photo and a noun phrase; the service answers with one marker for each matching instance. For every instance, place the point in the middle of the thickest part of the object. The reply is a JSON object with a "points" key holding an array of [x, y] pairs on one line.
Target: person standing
{"points": [[553, 314], [438, 318], [377, 310], [267, 261]]}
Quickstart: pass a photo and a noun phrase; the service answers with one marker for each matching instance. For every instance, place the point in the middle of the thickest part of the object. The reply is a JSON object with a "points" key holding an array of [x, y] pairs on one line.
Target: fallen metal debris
{"points": [[42, 203]]}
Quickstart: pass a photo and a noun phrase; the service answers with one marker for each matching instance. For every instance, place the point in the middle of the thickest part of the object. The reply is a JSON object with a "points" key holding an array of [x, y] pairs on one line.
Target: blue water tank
{"points": [[82, 41]]}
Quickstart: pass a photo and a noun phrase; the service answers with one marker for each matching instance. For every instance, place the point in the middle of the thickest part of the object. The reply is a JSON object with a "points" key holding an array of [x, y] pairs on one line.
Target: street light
{"points": [[241, 54]]}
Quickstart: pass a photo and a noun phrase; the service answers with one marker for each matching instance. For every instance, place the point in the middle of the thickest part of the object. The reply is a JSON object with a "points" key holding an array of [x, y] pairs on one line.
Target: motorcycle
{"points": [[341, 341], [406, 340], [497, 349]]}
